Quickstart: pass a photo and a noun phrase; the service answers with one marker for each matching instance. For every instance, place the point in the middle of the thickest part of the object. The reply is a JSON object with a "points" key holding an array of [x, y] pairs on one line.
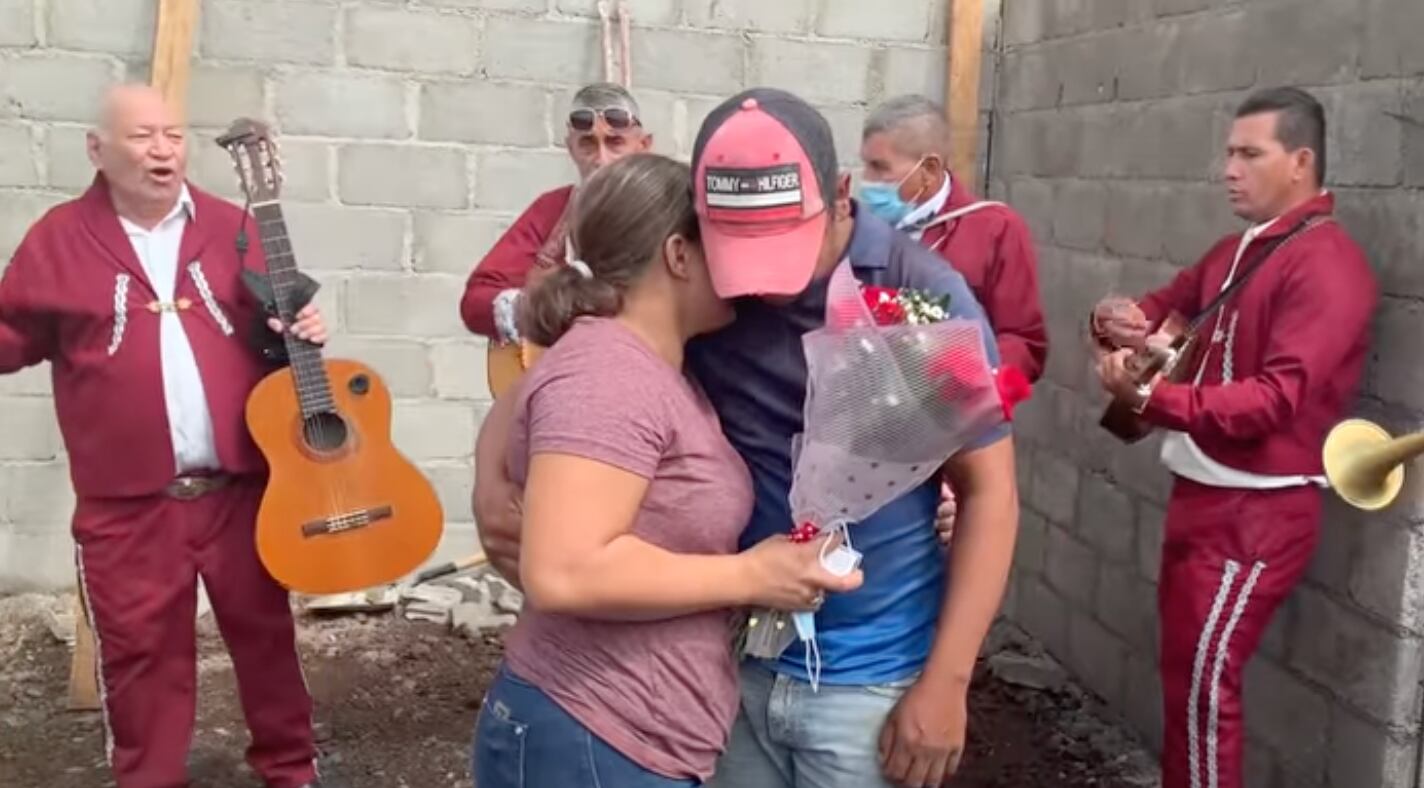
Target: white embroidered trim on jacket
{"points": [[121, 311], [1228, 371], [195, 270]]}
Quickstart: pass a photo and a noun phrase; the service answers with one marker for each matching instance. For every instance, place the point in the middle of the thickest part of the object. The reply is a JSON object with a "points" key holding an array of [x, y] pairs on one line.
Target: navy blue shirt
{"points": [[754, 372]]}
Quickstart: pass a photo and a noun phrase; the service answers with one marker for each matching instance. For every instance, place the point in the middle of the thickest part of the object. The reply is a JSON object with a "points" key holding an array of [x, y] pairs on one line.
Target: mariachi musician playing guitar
{"points": [[603, 125], [1257, 352]]}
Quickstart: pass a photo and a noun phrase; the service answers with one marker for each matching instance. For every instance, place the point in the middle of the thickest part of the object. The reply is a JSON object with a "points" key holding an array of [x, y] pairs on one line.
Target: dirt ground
{"points": [[396, 703]]}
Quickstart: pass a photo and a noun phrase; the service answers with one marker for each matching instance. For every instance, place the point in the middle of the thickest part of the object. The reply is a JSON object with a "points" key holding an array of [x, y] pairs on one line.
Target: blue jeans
{"points": [[523, 739], [787, 736]]}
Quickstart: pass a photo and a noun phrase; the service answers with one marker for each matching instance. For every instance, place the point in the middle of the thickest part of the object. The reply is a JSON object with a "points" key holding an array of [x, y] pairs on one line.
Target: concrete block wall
{"points": [[412, 134], [1109, 133]]}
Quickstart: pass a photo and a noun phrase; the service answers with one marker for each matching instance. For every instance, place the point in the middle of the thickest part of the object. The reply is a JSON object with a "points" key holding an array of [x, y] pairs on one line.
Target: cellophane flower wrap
{"points": [[894, 388], [887, 403]]}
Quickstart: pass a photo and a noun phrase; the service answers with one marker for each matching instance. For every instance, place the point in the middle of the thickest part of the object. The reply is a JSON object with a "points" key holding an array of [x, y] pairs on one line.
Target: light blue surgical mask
{"points": [[883, 198]]}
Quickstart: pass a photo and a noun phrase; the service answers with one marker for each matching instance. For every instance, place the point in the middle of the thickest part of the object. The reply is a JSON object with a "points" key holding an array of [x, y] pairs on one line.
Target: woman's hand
{"points": [[784, 575]]}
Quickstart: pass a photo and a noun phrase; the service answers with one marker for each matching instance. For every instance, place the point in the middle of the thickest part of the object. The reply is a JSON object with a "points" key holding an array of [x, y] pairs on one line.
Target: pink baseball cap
{"points": [[763, 165]]}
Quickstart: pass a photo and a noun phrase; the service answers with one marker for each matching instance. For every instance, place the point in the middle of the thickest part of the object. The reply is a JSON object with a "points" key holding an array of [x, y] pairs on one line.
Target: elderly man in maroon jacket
{"points": [[133, 294], [1279, 367], [906, 181], [603, 125]]}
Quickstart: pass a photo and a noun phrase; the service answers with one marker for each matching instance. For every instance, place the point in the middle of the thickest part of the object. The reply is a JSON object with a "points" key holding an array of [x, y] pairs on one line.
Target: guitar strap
{"points": [[1252, 267], [953, 215]]}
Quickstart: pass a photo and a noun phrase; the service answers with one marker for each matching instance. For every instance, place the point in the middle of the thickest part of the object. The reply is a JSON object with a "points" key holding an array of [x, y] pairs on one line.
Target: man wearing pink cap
{"points": [[777, 219]]}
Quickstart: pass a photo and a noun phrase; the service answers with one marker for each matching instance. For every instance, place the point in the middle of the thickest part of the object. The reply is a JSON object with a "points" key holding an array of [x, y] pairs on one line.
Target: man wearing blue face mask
{"points": [[906, 181]]}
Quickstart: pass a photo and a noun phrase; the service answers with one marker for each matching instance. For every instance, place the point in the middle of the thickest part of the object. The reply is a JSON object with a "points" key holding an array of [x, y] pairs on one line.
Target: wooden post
{"points": [[172, 51], [966, 49], [84, 667]]}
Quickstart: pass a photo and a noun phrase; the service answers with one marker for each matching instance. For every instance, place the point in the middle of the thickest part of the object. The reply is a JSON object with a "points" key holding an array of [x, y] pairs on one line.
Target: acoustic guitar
{"points": [[506, 363], [343, 509], [1169, 359]]}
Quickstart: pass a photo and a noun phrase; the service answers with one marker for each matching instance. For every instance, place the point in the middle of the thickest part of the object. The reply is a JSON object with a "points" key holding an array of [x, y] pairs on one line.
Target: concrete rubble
{"points": [[1024, 670], [468, 603], [1083, 722]]}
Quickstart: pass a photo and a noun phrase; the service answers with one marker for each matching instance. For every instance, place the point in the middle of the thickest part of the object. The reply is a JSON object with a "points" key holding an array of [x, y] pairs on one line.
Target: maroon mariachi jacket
{"points": [[507, 264], [1290, 348], [992, 248], [75, 294]]}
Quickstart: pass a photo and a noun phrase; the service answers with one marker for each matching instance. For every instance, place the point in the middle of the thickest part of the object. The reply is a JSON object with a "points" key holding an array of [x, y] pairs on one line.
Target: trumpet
{"points": [[1365, 464]]}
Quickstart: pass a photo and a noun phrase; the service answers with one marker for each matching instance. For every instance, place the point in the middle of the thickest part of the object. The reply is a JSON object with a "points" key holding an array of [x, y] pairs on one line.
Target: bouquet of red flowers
{"points": [[895, 386]]}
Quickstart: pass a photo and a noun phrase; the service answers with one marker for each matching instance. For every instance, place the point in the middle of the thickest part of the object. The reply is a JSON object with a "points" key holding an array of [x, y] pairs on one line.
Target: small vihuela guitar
{"points": [[343, 509], [1171, 359], [1182, 341], [506, 362]]}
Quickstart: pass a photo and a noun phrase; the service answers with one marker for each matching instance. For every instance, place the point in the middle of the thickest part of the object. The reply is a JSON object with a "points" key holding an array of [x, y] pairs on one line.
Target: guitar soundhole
{"points": [[324, 432]]}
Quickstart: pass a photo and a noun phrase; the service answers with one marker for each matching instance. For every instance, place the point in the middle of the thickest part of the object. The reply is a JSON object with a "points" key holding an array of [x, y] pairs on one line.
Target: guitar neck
{"points": [[304, 358]]}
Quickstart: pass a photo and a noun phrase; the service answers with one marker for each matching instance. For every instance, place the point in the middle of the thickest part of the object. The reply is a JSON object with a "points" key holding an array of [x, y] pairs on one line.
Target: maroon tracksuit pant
{"points": [[1229, 558], [139, 560]]}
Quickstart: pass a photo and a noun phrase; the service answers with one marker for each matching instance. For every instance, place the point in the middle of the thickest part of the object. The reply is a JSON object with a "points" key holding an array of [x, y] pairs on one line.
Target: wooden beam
{"points": [[172, 50], [966, 49], [84, 667]]}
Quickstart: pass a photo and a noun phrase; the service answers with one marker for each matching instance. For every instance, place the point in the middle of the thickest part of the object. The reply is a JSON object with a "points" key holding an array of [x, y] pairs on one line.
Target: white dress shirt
{"points": [[189, 421], [918, 219]]}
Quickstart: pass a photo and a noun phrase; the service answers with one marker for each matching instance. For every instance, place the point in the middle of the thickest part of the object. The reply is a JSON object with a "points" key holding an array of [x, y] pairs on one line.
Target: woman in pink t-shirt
{"points": [[621, 670]]}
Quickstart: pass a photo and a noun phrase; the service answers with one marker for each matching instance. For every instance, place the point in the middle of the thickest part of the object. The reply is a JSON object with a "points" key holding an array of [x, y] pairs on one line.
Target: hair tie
{"points": [[582, 268]]}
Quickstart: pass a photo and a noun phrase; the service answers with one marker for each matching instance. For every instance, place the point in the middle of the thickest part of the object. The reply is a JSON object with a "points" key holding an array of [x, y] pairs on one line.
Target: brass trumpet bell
{"points": [[1365, 465]]}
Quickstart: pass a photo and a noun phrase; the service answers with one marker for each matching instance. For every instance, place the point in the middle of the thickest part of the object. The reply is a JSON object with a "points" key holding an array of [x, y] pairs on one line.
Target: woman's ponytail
{"points": [[622, 215], [564, 296]]}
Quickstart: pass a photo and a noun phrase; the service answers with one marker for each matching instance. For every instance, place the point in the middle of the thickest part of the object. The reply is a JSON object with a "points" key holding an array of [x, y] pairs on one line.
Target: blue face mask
{"points": [[883, 199]]}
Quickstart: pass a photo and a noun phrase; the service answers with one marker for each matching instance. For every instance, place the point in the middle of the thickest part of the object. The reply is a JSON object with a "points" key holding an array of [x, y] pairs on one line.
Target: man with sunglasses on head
{"points": [[603, 126]]}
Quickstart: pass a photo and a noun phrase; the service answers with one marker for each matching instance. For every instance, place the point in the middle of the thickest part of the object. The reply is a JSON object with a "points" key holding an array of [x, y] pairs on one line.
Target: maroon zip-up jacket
{"points": [[1297, 353], [508, 262], [992, 248], [75, 294]]}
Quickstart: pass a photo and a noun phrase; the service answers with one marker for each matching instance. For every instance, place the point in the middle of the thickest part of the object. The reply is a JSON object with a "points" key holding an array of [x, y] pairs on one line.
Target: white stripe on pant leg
{"points": [[1228, 576], [98, 656], [1221, 648]]}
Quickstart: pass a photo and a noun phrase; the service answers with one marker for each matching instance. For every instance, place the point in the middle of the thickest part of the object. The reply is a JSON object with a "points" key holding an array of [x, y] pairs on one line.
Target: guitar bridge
{"points": [[348, 521]]}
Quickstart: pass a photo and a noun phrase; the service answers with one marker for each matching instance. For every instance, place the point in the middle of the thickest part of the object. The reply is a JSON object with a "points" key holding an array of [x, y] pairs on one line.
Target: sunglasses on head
{"points": [[583, 119]]}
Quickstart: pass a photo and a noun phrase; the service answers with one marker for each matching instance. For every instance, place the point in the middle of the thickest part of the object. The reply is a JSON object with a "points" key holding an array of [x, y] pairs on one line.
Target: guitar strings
{"points": [[335, 494], [281, 293]]}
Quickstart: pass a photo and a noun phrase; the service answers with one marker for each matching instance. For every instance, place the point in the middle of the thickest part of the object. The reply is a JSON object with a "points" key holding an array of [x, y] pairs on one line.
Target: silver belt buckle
{"points": [[186, 488]]}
